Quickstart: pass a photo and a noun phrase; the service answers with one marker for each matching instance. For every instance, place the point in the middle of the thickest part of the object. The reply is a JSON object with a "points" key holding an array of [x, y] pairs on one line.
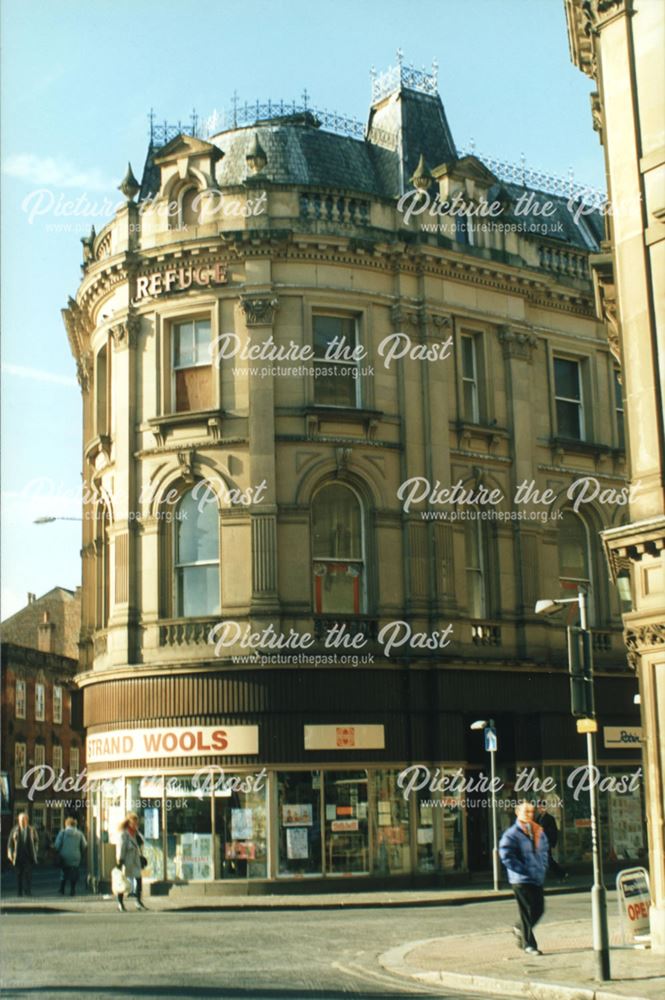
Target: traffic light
{"points": [[580, 668]]}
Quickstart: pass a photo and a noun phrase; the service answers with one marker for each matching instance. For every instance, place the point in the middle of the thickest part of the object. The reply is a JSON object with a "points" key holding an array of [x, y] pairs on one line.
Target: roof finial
{"points": [[422, 178], [400, 57], [129, 185], [305, 98]]}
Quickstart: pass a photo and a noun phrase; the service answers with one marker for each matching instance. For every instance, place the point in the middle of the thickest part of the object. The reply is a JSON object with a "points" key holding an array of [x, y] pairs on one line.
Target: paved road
{"points": [[299, 955]]}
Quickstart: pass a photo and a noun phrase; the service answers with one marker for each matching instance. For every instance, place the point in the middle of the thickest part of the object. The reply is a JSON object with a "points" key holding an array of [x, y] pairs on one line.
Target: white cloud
{"points": [[55, 172], [38, 375]]}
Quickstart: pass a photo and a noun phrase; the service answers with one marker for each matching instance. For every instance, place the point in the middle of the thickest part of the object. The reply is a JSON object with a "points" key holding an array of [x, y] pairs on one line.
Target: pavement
{"points": [[475, 954], [45, 898], [565, 971]]}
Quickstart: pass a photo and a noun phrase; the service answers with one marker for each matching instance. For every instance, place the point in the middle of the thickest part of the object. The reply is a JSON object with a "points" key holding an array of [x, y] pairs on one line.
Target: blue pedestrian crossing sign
{"points": [[490, 739]]}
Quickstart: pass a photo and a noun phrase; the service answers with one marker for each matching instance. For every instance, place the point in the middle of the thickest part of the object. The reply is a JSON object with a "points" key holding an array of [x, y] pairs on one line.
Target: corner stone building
{"points": [[619, 45], [263, 492]]}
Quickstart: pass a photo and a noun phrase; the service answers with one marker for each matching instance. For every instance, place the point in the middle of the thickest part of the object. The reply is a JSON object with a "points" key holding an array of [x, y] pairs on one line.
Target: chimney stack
{"points": [[46, 635]]}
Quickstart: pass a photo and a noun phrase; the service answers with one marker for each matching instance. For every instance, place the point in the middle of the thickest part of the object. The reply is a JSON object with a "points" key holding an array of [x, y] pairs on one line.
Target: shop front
{"points": [[286, 826]]}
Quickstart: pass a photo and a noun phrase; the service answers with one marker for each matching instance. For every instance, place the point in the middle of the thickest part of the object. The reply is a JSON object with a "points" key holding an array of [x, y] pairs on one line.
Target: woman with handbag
{"points": [[130, 861]]}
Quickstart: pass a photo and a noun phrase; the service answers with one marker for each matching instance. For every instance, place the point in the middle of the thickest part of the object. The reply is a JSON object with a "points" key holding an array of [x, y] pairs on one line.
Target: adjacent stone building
{"points": [[619, 44], [299, 336]]}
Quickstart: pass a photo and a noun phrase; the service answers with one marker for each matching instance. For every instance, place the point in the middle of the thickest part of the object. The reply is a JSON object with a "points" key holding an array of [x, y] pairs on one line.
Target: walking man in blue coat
{"points": [[524, 852]]}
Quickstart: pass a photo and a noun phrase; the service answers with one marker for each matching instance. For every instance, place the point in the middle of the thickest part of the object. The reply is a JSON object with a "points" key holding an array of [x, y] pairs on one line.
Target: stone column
{"points": [[259, 309]]}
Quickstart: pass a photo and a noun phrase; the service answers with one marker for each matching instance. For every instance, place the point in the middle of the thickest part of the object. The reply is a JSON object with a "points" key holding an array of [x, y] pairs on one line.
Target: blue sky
{"points": [[78, 80]]}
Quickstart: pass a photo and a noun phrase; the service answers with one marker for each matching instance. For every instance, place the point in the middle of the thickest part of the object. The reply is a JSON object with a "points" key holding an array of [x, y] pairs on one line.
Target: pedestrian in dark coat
{"points": [[548, 823], [524, 852], [71, 846], [22, 853], [130, 858]]}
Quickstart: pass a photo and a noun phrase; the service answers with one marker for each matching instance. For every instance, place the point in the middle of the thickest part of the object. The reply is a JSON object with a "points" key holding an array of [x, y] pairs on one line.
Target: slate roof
{"points": [[303, 154]]}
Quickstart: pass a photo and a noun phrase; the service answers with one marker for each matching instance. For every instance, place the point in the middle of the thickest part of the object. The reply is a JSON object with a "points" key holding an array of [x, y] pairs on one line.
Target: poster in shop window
{"points": [[297, 846], [297, 815], [242, 824]]}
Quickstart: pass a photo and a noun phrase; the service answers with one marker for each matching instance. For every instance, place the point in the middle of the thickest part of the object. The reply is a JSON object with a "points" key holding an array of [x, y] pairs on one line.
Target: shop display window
{"points": [[144, 796], [189, 853], [299, 822], [241, 837], [392, 852]]}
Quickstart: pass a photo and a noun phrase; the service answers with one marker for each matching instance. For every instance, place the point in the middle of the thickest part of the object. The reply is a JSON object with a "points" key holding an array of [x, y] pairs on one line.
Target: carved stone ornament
{"points": [[84, 366], [186, 463], [642, 638], [597, 113], [598, 12], [259, 310], [517, 343], [403, 316], [342, 459], [125, 332]]}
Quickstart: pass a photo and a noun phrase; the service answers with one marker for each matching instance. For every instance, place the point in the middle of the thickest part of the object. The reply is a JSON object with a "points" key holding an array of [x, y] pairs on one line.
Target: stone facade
{"points": [[271, 238], [619, 44]]}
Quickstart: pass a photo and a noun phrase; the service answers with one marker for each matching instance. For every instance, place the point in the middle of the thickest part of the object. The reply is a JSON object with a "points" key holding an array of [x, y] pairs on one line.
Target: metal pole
{"points": [[601, 944], [495, 839]]}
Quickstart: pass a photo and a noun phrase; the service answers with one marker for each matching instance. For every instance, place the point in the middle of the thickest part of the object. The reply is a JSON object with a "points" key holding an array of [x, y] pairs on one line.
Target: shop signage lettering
{"points": [[634, 901], [144, 744], [622, 737], [178, 279]]}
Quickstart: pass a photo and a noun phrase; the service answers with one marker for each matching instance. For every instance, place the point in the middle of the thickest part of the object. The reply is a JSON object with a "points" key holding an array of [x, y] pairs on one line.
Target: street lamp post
{"points": [[601, 944], [491, 745]]}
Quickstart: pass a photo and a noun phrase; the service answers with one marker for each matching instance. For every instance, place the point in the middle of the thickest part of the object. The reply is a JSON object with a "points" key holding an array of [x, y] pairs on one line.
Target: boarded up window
{"points": [[193, 389]]}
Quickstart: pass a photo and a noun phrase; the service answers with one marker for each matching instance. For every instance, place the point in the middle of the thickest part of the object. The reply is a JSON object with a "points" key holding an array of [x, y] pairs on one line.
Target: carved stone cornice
{"points": [[259, 310], [517, 343], [629, 543]]}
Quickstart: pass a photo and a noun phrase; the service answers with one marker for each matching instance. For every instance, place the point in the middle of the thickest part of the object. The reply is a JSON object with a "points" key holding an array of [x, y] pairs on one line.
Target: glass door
{"points": [[346, 825]]}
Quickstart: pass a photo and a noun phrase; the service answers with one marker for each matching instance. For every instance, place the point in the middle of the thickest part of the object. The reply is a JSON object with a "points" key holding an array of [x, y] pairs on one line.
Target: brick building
{"points": [[41, 719]]}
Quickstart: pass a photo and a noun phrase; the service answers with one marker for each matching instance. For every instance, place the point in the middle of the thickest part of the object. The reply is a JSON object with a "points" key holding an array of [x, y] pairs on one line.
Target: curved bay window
{"points": [[337, 549], [196, 557], [575, 568]]}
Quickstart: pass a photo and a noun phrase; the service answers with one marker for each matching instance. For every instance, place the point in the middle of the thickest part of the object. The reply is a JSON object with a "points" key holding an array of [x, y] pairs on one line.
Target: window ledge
{"points": [[560, 445], [466, 431], [160, 426], [314, 414]]}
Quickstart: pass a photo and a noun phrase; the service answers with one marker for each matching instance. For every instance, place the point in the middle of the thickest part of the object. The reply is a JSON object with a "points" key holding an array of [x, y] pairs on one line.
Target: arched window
{"points": [[477, 577], [575, 564], [196, 557], [338, 551]]}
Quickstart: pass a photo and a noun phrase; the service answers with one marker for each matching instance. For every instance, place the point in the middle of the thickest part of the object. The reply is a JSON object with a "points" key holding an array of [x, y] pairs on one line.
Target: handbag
{"points": [[144, 861], [120, 884]]}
